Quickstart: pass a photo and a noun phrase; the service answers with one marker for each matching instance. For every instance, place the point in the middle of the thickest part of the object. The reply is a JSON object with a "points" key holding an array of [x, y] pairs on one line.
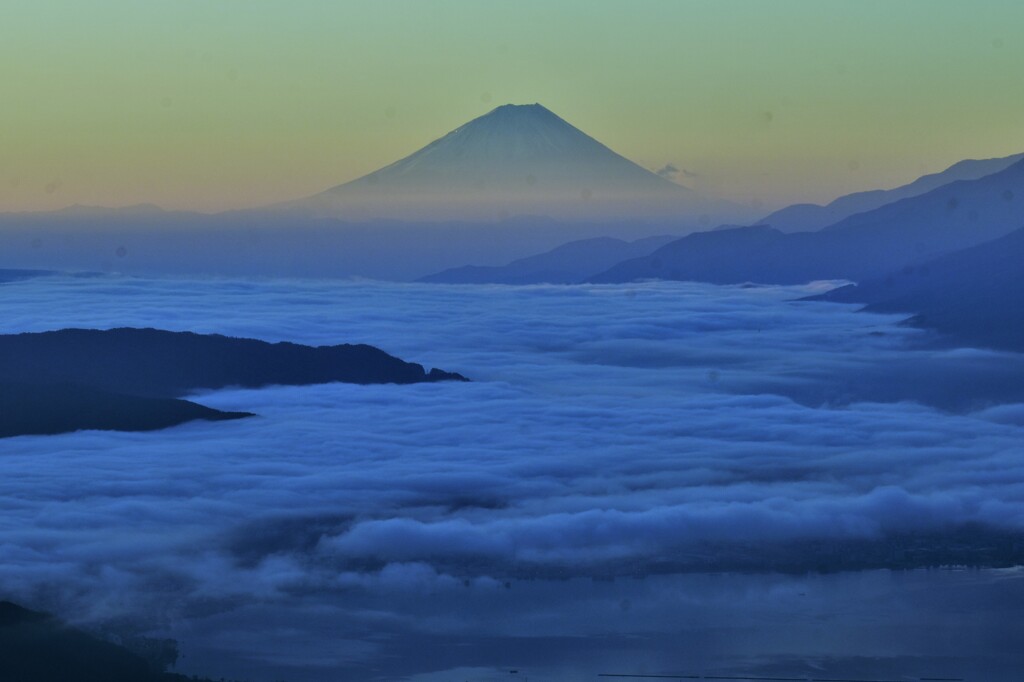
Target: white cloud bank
{"points": [[607, 429]]}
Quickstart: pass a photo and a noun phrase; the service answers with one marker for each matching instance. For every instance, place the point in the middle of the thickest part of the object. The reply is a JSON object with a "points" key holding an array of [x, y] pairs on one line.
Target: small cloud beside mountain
{"points": [[668, 171]]}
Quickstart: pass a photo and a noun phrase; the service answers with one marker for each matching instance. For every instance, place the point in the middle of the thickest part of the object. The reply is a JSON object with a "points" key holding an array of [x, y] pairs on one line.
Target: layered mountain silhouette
{"points": [[567, 264], [514, 160], [133, 379], [975, 295], [810, 217], [863, 246]]}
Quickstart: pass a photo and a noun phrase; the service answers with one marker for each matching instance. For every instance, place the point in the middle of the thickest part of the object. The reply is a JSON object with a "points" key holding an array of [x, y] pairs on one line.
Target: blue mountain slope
{"points": [[975, 295], [567, 264], [863, 246], [810, 217], [514, 160]]}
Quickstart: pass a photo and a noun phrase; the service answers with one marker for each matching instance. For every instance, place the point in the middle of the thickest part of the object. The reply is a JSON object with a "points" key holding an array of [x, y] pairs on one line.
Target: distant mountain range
{"points": [[523, 183], [514, 160], [975, 295], [509, 184], [810, 217], [133, 379], [863, 246], [763, 253], [567, 264]]}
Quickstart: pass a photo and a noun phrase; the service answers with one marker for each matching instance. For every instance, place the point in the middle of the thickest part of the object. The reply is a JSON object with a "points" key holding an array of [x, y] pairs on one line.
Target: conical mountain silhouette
{"points": [[516, 159]]}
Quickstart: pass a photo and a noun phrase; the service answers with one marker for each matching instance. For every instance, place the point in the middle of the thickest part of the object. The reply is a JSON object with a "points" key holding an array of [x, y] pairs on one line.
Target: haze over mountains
{"points": [[510, 184], [945, 248], [514, 160], [276, 245], [525, 197], [733, 253], [809, 217], [567, 264], [865, 245]]}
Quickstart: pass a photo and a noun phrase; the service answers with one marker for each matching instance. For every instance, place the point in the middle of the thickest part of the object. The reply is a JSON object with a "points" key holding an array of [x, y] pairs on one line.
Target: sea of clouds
{"points": [[608, 431]]}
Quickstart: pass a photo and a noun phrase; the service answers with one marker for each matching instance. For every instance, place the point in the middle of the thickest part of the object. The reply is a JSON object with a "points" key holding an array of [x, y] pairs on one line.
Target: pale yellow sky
{"points": [[211, 105]]}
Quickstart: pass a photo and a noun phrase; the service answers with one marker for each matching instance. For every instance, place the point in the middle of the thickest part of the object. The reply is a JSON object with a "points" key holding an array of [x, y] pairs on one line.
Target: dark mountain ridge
{"points": [[153, 362], [133, 379], [974, 296], [810, 217], [863, 246], [48, 409], [569, 263]]}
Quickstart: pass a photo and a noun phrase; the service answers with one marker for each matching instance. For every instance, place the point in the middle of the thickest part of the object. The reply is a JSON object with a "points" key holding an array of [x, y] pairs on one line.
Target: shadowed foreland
{"points": [[133, 379], [36, 647]]}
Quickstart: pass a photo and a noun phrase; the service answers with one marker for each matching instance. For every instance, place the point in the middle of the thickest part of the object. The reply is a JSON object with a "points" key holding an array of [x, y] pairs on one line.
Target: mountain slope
{"points": [[975, 295], [131, 379], [809, 217], [27, 409], [864, 246], [153, 362], [516, 159], [567, 264]]}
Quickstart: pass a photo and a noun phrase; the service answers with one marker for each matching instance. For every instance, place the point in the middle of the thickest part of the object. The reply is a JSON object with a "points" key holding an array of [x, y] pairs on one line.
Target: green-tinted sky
{"points": [[214, 104]]}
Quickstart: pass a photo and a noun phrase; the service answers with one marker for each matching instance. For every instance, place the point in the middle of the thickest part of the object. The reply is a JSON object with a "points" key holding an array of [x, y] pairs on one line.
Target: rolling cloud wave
{"points": [[654, 424]]}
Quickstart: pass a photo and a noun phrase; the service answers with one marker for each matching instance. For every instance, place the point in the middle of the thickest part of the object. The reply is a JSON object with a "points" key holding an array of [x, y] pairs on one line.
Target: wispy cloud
{"points": [[668, 171]]}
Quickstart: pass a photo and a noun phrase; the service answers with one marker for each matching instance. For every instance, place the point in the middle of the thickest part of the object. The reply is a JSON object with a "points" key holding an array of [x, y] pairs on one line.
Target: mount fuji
{"points": [[514, 160]]}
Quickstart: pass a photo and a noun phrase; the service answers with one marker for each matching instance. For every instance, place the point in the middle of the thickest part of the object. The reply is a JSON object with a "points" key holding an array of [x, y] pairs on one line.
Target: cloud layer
{"points": [[608, 431]]}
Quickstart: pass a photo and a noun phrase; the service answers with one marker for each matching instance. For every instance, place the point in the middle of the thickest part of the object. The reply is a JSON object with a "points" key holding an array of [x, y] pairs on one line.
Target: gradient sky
{"points": [[211, 105]]}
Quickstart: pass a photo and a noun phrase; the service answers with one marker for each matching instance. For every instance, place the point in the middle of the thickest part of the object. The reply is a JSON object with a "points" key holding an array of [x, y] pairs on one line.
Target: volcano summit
{"points": [[516, 159]]}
